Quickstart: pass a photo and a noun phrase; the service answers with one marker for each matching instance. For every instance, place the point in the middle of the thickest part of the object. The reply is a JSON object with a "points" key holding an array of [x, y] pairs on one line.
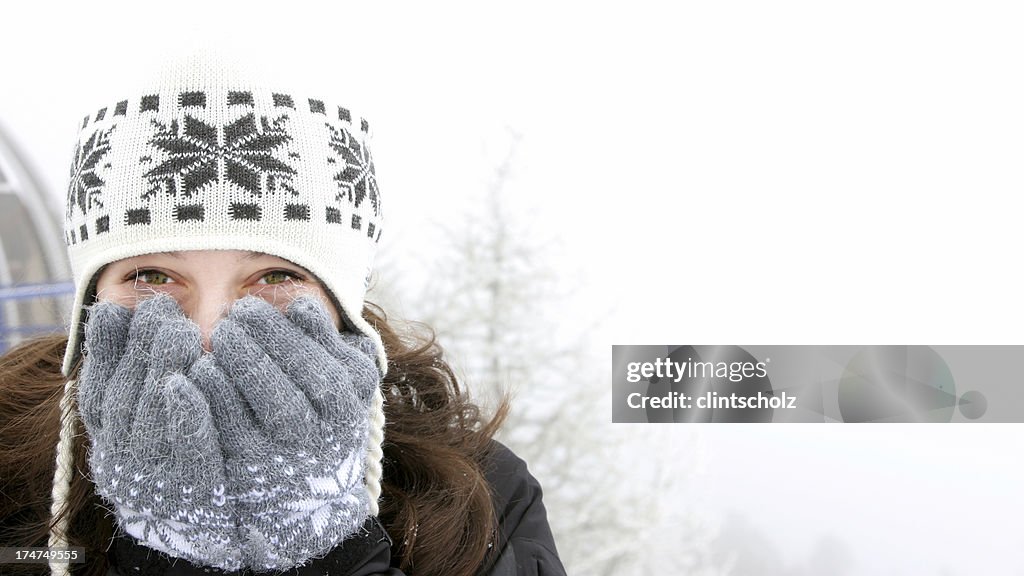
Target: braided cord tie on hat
{"points": [[62, 479], [375, 454]]}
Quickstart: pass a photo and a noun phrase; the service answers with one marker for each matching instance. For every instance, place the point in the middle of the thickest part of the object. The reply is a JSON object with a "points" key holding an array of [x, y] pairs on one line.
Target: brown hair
{"points": [[436, 503]]}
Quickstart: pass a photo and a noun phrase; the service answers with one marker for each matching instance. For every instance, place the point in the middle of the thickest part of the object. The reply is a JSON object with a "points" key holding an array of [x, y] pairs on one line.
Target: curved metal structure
{"points": [[35, 279]]}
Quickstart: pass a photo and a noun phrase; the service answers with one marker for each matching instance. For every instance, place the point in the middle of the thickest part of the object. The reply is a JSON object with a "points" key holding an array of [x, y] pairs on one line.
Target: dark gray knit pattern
{"points": [[251, 456]]}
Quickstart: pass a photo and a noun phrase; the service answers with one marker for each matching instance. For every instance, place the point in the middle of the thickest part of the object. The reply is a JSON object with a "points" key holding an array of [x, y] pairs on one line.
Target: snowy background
{"points": [[559, 177]]}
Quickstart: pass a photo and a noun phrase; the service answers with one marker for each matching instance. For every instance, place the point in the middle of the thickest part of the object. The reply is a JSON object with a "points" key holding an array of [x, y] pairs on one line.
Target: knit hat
{"points": [[208, 158]]}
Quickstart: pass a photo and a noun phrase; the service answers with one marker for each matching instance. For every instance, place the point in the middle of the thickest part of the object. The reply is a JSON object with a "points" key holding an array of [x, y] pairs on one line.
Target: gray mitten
{"points": [[155, 454], [291, 399]]}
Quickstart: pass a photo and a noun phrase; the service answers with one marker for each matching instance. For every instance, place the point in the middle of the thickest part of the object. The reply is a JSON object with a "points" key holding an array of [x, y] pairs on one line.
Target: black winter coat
{"points": [[526, 545]]}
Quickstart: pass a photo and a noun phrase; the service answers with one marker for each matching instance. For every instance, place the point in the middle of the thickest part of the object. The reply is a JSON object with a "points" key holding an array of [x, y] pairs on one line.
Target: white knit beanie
{"points": [[209, 158]]}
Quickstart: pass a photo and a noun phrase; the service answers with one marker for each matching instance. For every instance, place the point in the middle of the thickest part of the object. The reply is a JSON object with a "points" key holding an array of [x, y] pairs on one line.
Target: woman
{"points": [[226, 401]]}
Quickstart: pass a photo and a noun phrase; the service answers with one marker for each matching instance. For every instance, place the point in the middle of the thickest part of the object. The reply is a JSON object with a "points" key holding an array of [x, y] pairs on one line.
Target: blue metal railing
{"points": [[21, 292], [29, 291]]}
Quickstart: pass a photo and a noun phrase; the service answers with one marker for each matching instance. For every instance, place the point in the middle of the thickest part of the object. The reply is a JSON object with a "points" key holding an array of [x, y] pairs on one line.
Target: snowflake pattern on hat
{"points": [[219, 155], [199, 153], [86, 187], [357, 179]]}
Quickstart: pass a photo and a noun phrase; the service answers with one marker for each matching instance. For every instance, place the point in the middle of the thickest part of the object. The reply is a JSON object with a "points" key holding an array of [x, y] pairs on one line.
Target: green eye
{"points": [[152, 277], [278, 277]]}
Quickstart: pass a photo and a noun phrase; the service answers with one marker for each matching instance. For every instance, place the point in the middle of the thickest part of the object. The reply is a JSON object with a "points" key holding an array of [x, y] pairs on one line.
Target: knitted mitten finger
{"points": [[352, 349], [299, 489], [119, 358], [155, 455], [310, 314], [106, 335], [237, 429]]}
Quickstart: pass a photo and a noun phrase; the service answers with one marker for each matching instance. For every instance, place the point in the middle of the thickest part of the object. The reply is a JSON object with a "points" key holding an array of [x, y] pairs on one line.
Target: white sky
{"points": [[728, 172]]}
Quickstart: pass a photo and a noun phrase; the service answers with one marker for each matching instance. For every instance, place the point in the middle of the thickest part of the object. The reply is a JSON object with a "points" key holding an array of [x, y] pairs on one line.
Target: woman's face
{"points": [[207, 282]]}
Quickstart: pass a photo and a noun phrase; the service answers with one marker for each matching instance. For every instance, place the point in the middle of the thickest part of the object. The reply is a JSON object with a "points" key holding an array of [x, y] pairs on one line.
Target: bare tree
{"points": [[495, 301]]}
